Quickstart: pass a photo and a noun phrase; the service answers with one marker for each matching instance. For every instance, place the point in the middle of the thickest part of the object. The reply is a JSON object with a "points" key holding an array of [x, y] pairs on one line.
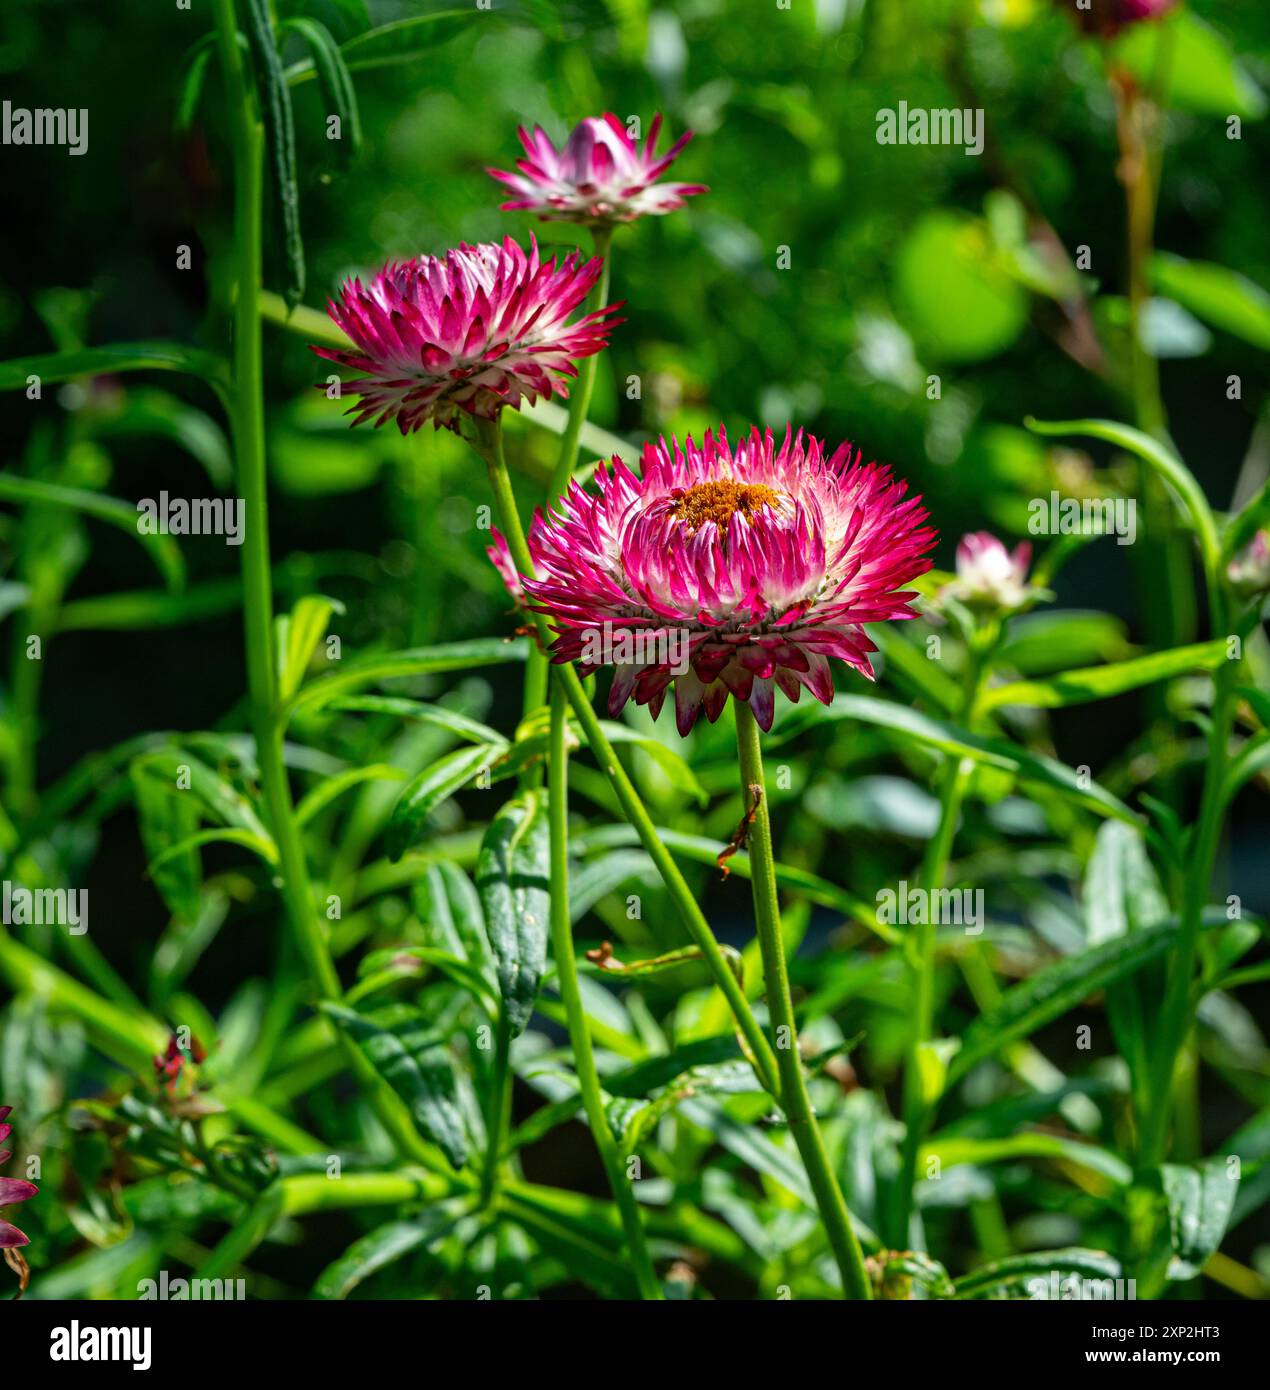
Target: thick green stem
{"points": [[579, 1031], [488, 443], [794, 1097], [954, 779], [246, 403]]}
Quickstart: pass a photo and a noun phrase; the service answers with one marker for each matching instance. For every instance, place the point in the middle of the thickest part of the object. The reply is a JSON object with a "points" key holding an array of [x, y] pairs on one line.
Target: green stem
{"points": [[497, 1121], [571, 997], [794, 1097], [1178, 1007], [955, 777], [584, 384], [488, 443], [246, 405], [579, 406]]}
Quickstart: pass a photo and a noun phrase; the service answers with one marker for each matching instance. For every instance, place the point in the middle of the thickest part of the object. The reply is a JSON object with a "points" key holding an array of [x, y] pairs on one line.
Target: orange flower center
{"points": [[719, 500]]}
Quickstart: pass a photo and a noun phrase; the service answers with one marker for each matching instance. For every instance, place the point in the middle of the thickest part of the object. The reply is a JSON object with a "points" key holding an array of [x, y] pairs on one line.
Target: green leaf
{"points": [[471, 730], [53, 367], [383, 1245], [256, 843], [448, 905], [298, 634], [697, 849], [671, 960], [435, 784], [1221, 297], [1203, 74], [1040, 643], [415, 661], [1054, 990], [951, 1151], [397, 962], [167, 817], [334, 79], [512, 878], [1193, 505], [222, 802], [403, 41], [919, 728], [1200, 1200], [1034, 1272], [1122, 890], [677, 771], [1252, 759], [194, 69], [1102, 682], [325, 792], [275, 106], [163, 550], [143, 609], [1121, 895], [149, 411], [406, 1051], [643, 1078]]}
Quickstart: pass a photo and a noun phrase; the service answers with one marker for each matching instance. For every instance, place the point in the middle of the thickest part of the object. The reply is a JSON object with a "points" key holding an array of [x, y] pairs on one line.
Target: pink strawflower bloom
{"points": [[12, 1190], [482, 328], [989, 575], [599, 176], [726, 570]]}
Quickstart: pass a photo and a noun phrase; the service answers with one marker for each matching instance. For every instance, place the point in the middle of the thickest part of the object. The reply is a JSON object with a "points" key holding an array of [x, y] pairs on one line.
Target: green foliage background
{"points": [[903, 263]]}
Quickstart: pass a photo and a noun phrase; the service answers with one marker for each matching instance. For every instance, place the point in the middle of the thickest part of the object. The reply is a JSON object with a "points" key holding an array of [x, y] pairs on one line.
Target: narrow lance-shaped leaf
{"points": [[449, 907], [51, 367], [1200, 1200], [1192, 503], [275, 105], [1121, 895], [334, 80], [401, 41], [298, 633], [406, 1051], [1040, 1272], [915, 727], [1057, 988], [167, 817], [511, 878], [429, 789], [381, 1247], [1102, 682], [163, 550]]}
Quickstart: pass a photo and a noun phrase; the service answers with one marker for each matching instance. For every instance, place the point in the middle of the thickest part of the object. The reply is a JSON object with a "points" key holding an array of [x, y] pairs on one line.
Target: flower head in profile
{"points": [[600, 175], [1109, 17], [473, 331], [12, 1190], [989, 576], [726, 571]]}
